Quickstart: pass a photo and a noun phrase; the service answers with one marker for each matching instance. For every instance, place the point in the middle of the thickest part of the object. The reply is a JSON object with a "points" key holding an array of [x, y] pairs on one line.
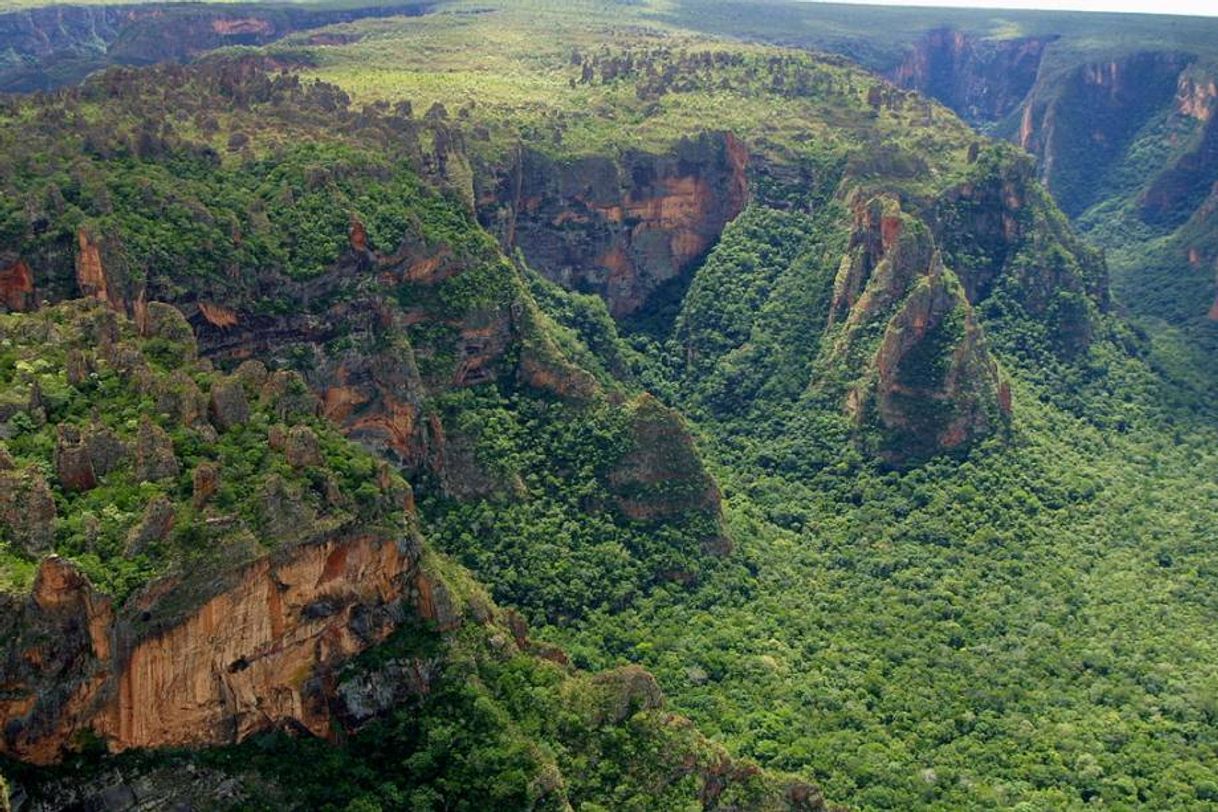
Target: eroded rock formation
{"points": [[620, 228], [930, 383], [981, 79], [252, 651]]}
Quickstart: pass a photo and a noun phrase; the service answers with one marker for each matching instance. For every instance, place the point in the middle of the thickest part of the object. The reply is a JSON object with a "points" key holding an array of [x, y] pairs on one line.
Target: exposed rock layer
{"points": [[620, 228], [252, 652], [983, 80]]}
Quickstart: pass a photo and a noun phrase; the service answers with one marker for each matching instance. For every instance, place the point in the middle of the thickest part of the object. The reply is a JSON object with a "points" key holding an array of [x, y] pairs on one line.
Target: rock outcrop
{"points": [[252, 652], [620, 228], [983, 80], [27, 507], [16, 284], [928, 384], [246, 598], [1080, 124]]}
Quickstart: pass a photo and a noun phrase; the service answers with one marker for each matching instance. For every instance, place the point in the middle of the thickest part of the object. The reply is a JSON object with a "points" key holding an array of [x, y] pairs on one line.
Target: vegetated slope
{"points": [[1118, 110], [1025, 619], [229, 561], [989, 629], [47, 46]]}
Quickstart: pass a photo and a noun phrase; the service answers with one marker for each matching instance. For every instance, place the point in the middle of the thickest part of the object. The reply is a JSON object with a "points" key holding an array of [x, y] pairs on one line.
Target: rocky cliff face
{"points": [[255, 653], [247, 603], [1079, 125], [43, 48], [1173, 196], [929, 384], [619, 228], [981, 79]]}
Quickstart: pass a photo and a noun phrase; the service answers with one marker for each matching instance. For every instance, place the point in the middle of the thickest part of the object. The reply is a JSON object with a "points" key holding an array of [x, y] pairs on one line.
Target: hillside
{"points": [[1118, 109], [706, 358], [225, 554]]}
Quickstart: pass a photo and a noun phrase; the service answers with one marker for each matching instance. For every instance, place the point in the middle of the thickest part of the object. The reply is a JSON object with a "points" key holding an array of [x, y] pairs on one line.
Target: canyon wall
{"points": [[50, 46], [252, 649], [1079, 124], [621, 228], [983, 80]]}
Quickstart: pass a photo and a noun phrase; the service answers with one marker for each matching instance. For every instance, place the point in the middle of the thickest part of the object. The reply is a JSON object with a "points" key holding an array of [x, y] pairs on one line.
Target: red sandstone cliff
{"points": [[620, 228]]}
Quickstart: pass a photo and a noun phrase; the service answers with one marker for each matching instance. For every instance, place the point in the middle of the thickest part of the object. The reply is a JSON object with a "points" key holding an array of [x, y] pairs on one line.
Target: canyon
{"points": [[349, 455]]}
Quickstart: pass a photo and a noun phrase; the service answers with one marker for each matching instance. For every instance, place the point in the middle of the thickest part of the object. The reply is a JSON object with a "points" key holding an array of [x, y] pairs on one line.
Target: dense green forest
{"points": [[898, 485]]}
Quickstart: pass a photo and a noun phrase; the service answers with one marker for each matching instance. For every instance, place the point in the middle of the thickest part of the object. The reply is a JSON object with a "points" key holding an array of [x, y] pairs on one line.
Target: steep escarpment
{"points": [[50, 46], [1173, 195], [621, 228], [253, 656], [981, 79], [238, 562], [358, 267], [233, 567], [929, 384], [1080, 124]]}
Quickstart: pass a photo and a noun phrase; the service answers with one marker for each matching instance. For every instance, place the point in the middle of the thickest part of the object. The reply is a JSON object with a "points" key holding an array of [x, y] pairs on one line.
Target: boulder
{"points": [[229, 407], [302, 448], [154, 457], [73, 466]]}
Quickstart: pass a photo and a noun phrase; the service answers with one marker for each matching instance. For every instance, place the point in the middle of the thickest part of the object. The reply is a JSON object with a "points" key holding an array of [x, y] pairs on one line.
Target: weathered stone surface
{"points": [[929, 384], [366, 696], [106, 451], [73, 465], [27, 508], [55, 663], [998, 231], [229, 406], [16, 284], [277, 437], [302, 448], [181, 787], [181, 398], [92, 277], [257, 649], [621, 228], [206, 481], [936, 388], [1060, 119], [154, 457], [285, 515], [434, 603]]}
